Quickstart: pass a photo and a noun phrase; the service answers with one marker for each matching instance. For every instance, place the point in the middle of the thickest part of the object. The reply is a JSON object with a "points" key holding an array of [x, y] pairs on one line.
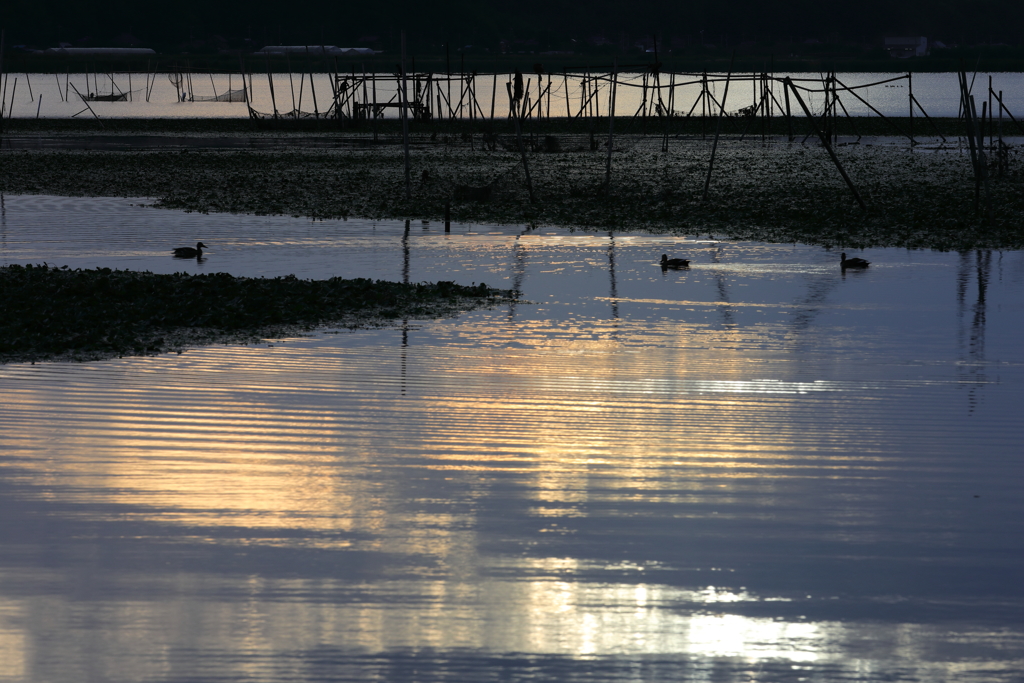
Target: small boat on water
{"points": [[113, 97]]}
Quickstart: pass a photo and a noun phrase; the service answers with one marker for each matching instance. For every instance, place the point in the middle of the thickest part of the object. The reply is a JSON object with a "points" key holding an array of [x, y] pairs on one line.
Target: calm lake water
{"points": [[756, 469], [53, 95]]}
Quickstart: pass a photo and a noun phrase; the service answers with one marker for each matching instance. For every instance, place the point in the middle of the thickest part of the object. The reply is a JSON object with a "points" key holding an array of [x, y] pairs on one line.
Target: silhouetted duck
{"points": [[189, 252], [852, 262], [667, 262]]}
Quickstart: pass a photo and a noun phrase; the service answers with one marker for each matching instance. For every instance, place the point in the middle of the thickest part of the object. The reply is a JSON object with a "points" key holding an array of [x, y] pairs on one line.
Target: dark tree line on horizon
{"points": [[194, 26]]}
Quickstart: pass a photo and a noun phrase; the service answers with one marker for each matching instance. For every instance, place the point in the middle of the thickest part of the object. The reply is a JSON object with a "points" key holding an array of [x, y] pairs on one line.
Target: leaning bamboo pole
{"points": [[825, 143], [405, 123], [611, 126], [718, 130]]}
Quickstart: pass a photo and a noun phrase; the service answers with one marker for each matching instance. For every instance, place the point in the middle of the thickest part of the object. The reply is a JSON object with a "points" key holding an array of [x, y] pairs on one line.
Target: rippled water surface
{"points": [[758, 468]]}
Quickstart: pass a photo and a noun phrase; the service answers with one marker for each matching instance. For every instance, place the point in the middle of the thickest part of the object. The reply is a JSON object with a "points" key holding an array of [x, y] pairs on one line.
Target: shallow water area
{"points": [[760, 467]]}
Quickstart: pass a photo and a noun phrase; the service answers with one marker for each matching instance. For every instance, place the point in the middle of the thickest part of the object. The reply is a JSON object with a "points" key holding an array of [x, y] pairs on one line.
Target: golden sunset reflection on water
{"points": [[752, 470]]}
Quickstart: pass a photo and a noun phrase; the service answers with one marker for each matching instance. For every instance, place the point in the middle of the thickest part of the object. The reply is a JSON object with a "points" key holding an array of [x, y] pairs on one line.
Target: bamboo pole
{"points": [[611, 126], [312, 86], [910, 105], [516, 100], [824, 141], [547, 114], [270, 80], [867, 104], [929, 118], [965, 105], [989, 110], [1003, 107], [672, 95], [10, 107], [1001, 146], [87, 106], [718, 129], [291, 83], [982, 167], [405, 123], [374, 93], [245, 91], [3, 36]]}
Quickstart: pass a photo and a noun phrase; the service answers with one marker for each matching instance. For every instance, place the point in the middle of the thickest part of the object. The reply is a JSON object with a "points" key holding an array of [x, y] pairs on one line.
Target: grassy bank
{"points": [[773, 191], [57, 313]]}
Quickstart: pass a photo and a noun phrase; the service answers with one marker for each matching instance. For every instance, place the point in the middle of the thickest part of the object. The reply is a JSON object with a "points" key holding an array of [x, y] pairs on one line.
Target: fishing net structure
{"points": [[229, 96]]}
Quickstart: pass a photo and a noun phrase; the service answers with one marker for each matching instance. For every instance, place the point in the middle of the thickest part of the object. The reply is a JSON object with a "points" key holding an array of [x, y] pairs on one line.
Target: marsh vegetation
{"points": [[770, 190], [49, 313]]}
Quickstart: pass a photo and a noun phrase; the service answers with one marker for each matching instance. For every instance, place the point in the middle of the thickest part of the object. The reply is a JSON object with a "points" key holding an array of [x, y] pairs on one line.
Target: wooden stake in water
{"points": [[291, 82], [611, 126], [2, 36], [10, 108], [718, 129], [516, 109], [87, 106], [825, 143], [910, 103], [270, 79], [312, 87], [374, 113], [405, 123]]}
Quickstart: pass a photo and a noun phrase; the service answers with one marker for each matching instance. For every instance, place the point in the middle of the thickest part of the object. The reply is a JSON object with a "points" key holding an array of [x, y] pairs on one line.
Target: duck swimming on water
{"points": [[189, 252], [667, 262], [852, 262]]}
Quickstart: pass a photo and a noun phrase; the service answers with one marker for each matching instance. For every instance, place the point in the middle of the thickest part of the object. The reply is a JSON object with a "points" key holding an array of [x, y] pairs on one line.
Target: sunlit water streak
{"points": [[755, 469]]}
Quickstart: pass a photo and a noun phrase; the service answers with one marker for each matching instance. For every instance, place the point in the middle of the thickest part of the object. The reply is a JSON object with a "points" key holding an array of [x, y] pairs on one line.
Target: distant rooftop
{"points": [[314, 50], [116, 51], [907, 46]]}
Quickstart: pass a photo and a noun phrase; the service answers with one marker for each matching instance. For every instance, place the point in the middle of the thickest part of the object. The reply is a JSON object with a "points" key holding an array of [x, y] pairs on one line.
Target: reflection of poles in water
{"points": [[975, 343], [518, 270], [808, 308], [404, 353], [723, 293], [405, 253], [405, 279], [614, 290]]}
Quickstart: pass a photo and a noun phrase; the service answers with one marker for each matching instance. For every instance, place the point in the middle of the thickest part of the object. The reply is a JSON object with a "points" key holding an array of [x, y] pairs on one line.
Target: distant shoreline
{"points": [[950, 61]]}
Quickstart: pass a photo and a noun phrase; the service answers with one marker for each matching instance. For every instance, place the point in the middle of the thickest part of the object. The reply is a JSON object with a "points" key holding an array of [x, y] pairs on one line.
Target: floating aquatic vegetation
{"points": [[60, 313]]}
